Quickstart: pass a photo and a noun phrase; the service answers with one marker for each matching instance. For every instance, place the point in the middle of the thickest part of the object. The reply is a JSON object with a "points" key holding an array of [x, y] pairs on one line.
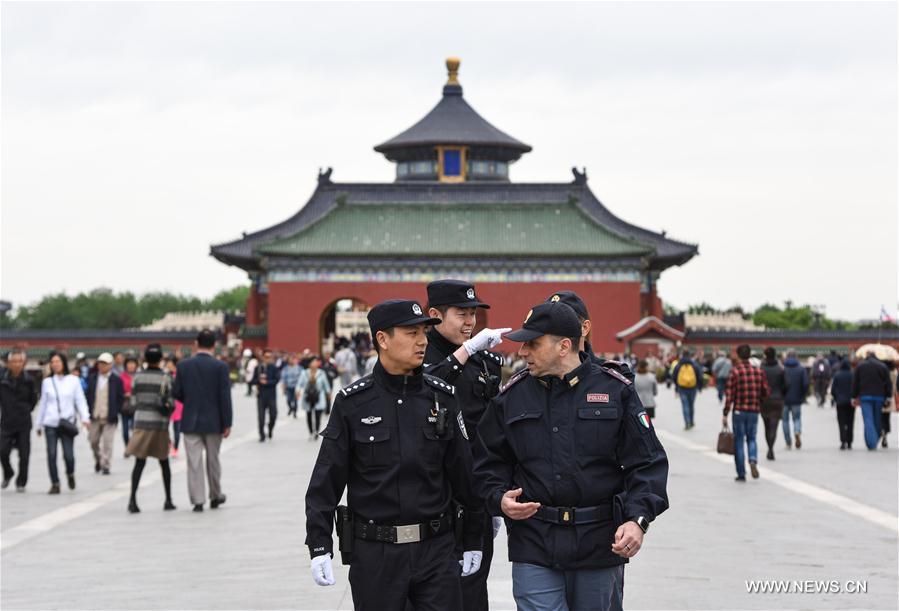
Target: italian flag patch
{"points": [[643, 417]]}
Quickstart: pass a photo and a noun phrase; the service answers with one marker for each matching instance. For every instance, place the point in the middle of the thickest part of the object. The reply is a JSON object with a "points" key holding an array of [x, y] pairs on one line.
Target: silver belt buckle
{"points": [[408, 534]]}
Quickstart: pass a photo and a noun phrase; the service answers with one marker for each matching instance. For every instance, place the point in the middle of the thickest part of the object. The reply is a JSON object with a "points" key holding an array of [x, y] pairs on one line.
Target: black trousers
{"points": [[821, 385], [846, 421], [263, 405], [474, 587], [772, 410], [385, 576], [315, 415], [21, 440], [885, 422]]}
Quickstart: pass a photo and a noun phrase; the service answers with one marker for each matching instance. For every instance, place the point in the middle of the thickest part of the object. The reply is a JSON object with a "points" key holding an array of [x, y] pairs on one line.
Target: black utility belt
{"points": [[571, 516], [409, 533]]}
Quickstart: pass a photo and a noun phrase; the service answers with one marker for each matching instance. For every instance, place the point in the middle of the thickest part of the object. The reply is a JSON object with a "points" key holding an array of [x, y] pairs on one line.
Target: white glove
{"points": [[485, 340], [497, 524], [323, 572], [471, 562]]}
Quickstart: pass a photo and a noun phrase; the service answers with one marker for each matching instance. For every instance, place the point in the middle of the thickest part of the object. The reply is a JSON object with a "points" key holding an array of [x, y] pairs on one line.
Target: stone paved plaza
{"points": [[815, 514]]}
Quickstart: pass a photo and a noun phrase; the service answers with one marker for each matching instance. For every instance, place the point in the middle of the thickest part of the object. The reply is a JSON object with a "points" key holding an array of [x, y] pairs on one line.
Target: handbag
{"points": [[66, 428], [166, 405], [311, 395], [726, 442]]}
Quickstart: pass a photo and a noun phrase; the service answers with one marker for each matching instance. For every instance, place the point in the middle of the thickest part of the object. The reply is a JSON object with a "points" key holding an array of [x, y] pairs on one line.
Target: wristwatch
{"points": [[642, 522]]}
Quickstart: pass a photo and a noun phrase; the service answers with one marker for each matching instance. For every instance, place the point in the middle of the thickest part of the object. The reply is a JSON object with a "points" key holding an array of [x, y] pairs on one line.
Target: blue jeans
{"points": [[538, 588], [687, 400], [796, 411], [68, 452], [871, 408], [721, 384], [127, 426], [291, 398], [745, 426]]}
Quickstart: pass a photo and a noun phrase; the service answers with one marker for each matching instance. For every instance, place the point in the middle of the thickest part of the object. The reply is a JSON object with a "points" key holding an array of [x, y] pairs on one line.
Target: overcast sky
{"points": [[136, 135]]}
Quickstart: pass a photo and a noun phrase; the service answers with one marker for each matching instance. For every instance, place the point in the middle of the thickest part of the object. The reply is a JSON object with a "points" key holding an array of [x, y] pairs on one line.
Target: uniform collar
{"points": [[572, 378], [397, 384], [442, 344]]}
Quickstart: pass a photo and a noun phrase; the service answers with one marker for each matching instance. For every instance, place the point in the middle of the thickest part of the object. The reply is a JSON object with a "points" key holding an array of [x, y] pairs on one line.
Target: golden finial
{"points": [[452, 68]]}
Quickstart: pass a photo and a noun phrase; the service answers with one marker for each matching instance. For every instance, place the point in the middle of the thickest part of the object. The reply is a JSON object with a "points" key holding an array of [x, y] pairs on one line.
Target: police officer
{"points": [[568, 455], [397, 441], [573, 300], [465, 361]]}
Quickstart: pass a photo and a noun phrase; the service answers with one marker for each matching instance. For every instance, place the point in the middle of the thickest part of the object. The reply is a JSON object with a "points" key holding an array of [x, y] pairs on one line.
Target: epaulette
{"points": [[492, 356], [357, 386], [439, 384], [515, 379], [613, 369]]}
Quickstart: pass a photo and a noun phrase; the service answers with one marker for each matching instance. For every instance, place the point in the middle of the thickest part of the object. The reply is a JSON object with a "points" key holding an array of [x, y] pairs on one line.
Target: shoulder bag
{"points": [[66, 428]]}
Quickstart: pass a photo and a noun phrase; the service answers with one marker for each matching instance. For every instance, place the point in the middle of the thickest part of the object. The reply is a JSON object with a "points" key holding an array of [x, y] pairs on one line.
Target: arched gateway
{"points": [[452, 212]]}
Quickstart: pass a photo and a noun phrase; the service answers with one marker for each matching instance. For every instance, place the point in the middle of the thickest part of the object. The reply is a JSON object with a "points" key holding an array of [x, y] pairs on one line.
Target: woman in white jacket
{"points": [[61, 398]]}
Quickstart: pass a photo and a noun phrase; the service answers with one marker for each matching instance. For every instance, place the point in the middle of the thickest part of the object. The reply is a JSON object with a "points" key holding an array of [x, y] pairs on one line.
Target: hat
{"points": [[105, 358], [554, 318], [571, 299], [397, 313], [456, 293]]}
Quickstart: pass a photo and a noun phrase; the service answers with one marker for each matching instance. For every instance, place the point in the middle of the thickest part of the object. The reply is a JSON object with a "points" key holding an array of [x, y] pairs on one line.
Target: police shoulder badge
{"points": [[461, 422], [643, 418], [416, 309]]}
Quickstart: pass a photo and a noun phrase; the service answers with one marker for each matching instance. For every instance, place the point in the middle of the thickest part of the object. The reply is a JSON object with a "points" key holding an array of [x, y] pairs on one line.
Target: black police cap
{"points": [[397, 313], [554, 318], [572, 300], [453, 293]]}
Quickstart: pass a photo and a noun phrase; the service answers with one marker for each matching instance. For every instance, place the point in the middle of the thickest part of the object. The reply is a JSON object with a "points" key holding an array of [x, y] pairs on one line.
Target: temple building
{"points": [[452, 211]]}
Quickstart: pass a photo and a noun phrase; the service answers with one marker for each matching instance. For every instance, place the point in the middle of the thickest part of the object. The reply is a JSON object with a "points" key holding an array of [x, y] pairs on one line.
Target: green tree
{"points": [[230, 300], [104, 309]]}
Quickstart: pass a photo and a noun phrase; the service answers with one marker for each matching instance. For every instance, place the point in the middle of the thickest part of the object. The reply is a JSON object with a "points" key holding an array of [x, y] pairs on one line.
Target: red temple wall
{"points": [[295, 308]]}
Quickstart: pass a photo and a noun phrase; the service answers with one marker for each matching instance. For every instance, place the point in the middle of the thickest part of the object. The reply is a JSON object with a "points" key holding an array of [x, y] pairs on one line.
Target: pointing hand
{"points": [[484, 340]]}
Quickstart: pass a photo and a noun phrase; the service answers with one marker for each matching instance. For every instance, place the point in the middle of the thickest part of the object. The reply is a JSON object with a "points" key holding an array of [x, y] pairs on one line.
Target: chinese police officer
{"points": [[572, 300], [397, 441], [568, 455], [465, 361]]}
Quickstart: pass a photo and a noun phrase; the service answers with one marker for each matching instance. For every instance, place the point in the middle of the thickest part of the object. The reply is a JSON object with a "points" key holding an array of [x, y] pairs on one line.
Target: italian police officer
{"points": [[397, 441], [466, 362], [573, 300], [567, 454]]}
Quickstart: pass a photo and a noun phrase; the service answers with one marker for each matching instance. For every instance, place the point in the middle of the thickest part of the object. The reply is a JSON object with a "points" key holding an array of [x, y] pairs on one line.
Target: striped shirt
{"points": [[151, 389]]}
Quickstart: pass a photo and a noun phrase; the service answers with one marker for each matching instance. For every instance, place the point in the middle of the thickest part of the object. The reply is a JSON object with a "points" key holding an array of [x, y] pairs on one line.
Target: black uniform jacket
{"points": [[381, 443], [622, 367], [472, 380], [576, 441]]}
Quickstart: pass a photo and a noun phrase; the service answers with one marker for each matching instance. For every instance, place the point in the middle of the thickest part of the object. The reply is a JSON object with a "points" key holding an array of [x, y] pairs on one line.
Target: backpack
{"points": [[686, 376], [311, 393]]}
